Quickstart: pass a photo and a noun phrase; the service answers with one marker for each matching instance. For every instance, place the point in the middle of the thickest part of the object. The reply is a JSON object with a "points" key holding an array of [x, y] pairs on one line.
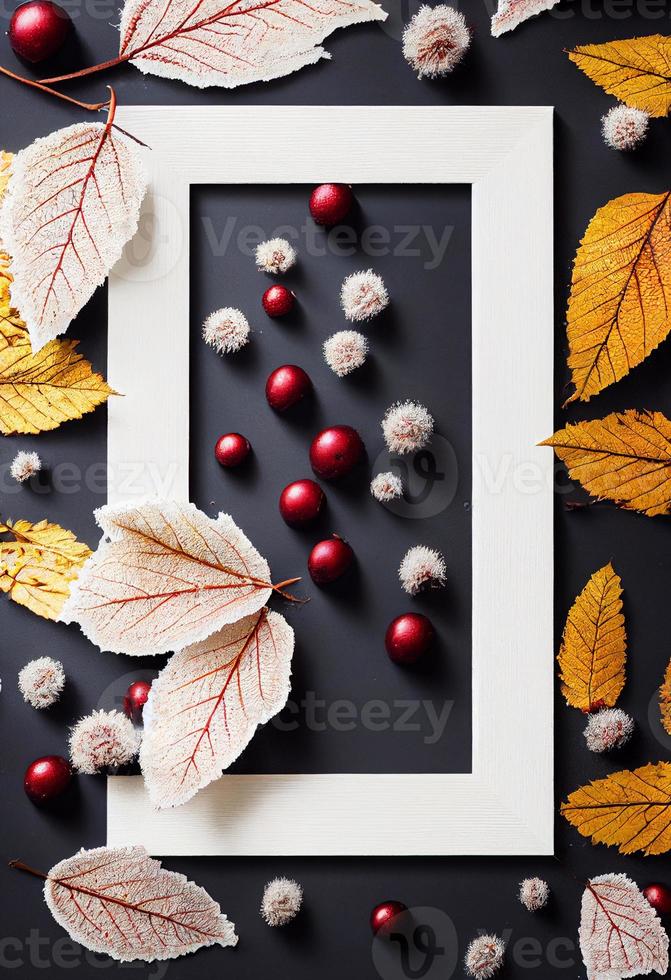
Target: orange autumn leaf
{"points": [[618, 310], [630, 810], [594, 645], [637, 70], [624, 457], [665, 699]]}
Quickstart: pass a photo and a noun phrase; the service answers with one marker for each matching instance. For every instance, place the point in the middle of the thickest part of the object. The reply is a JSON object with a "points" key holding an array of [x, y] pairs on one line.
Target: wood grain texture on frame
{"points": [[505, 806]]}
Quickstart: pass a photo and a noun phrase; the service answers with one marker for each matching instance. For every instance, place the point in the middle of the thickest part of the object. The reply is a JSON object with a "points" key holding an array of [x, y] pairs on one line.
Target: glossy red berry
{"points": [[135, 699], [336, 451], [232, 449], [278, 301], [38, 29], [659, 897], [330, 203], [286, 386], [330, 560], [408, 638], [46, 778], [301, 502], [382, 915]]}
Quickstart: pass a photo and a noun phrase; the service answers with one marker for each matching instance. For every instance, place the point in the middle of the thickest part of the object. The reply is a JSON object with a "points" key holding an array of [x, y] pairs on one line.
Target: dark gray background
{"points": [[332, 938], [420, 348]]}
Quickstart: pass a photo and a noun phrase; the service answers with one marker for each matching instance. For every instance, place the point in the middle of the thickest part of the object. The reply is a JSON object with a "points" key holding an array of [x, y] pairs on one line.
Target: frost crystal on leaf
{"points": [[624, 128], [101, 740], [422, 568], [608, 729], [41, 682], [275, 256], [24, 465], [363, 295], [345, 351], [484, 956], [511, 13], [164, 914], [407, 427], [620, 932], [226, 330], [72, 204], [435, 40], [534, 893], [386, 487], [282, 900]]}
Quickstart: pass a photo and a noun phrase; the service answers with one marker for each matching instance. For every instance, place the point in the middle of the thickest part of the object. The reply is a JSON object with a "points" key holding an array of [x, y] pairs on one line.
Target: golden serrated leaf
{"points": [[38, 563], [635, 70], [624, 457], [630, 810], [594, 645], [5, 170], [665, 699], [618, 310]]}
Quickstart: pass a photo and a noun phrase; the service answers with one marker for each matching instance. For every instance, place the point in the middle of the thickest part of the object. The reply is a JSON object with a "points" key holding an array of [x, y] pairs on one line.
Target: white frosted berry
{"points": [[435, 40], [102, 740], [345, 351], [484, 957], [608, 729], [226, 330], [534, 893], [24, 465], [282, 900], [41, 682], [624, 127], [422, 568], [407, 427], [386, 487], [275, 256], [363, 295]]}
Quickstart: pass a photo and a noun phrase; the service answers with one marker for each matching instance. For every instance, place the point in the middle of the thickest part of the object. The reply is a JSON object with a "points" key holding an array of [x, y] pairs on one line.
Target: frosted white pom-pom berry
{"points": [[345, 351], [282, 900], [41, 682], [103, 739], [624, 128], [275, 256], [435, 41], [422, 568], [534, 893], [484, 956], [363, 295], [226, 330], [407, 427], [386, 487], [608, 729], [24, 465]]}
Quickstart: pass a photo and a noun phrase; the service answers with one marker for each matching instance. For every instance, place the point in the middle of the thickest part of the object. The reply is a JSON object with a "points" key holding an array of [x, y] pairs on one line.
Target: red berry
{"points": [[37, 29], [659, 897], [382, 915], [408, 637], [232, 449], [135, 699], [329, 560], [286, 386], [47, 778], [278, 301], [301, 502], [330, 203], [335, 451]]}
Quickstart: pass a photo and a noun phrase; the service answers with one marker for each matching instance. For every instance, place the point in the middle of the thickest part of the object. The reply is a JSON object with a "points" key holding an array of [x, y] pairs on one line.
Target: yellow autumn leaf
{"points": [[5, 170], [630, 810], [618, 310], [594, 645], [636, 70], [37, 564], [665, 699], [624, 457]]}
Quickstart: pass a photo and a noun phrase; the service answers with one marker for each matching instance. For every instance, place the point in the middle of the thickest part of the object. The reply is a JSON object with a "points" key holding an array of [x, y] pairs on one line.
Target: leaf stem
{"points": [[91, 70], [20, 866], [90, 106]]}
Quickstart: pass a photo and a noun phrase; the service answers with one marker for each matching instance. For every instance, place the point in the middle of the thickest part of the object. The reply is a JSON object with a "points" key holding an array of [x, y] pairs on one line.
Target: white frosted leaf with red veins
{"points": [[511, 13]]}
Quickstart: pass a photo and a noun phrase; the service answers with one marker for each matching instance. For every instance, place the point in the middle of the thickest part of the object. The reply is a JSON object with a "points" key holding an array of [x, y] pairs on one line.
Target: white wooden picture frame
{"points": [[505, 805]]}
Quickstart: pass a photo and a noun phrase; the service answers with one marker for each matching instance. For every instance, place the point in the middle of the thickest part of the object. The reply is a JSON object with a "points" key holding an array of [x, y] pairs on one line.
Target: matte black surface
{"points": [[332, 938], [419, 348]]}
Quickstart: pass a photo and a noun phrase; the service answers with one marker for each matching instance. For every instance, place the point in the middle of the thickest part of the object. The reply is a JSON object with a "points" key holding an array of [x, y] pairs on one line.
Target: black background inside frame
{"points": [[350, 709]]}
